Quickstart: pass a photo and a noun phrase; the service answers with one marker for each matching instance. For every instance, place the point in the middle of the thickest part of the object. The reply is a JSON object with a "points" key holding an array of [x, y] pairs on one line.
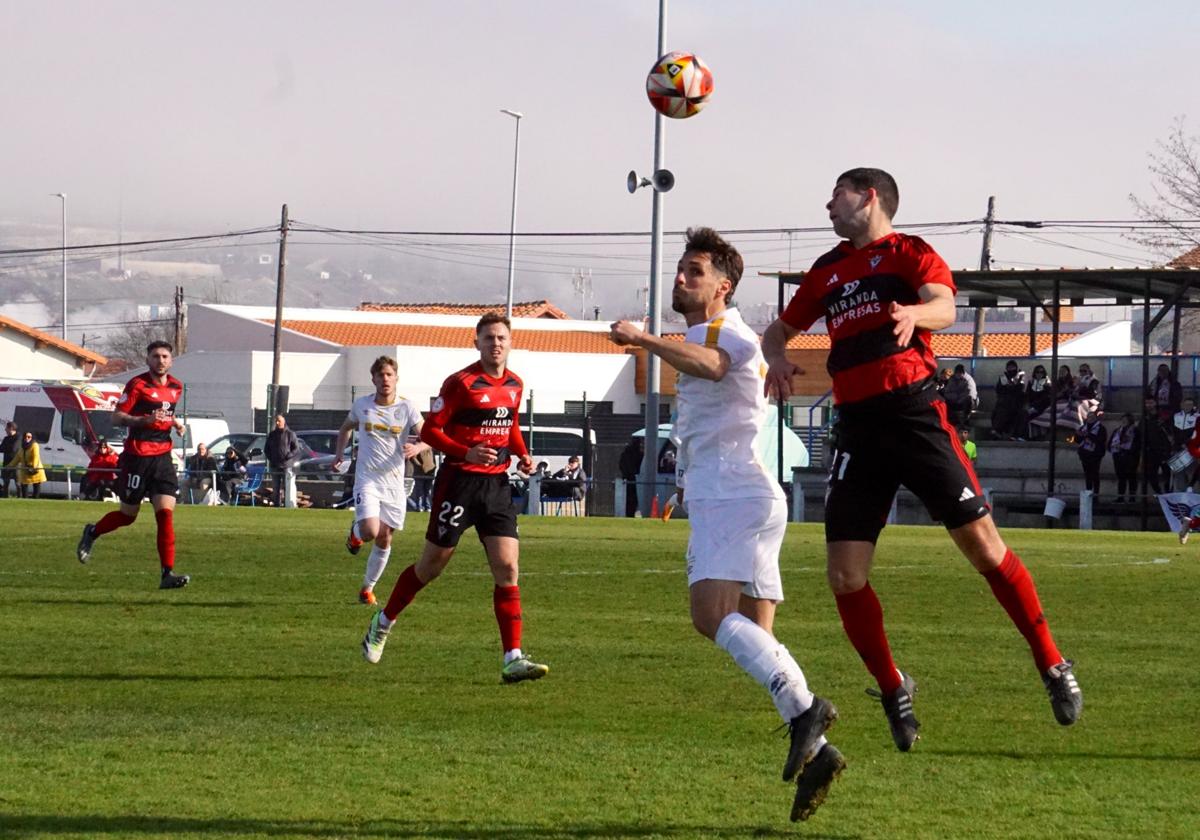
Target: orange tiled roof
{"points": [[1188, 259], [41, 338], [954, 344], [417, 335], [525, 309]]}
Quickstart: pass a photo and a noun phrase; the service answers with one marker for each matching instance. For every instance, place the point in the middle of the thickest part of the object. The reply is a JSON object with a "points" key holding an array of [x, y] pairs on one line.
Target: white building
{"points": [[28, 353], [327, 355]]}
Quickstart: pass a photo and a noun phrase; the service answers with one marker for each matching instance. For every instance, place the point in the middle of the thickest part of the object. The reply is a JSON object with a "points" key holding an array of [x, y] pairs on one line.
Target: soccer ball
{"points": [[679, 85]]}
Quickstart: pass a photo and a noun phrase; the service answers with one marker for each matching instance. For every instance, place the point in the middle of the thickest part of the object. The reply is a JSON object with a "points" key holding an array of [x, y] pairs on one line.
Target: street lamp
{"points": [[512, 225], [63, 196]]}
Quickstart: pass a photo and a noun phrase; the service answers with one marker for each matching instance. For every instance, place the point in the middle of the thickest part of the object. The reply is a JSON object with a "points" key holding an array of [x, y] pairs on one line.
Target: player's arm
{"points": [[516, 445], [780, 371], [693, 359], [343, 439], [433, 432], [934, 312], [412, 450]]}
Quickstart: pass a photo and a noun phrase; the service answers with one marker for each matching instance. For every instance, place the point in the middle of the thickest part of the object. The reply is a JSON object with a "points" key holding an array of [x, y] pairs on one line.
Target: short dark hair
{"points": [[725, 258], [867, 178], [379, 364], [960, 368], [154, 345], [490, 318]]}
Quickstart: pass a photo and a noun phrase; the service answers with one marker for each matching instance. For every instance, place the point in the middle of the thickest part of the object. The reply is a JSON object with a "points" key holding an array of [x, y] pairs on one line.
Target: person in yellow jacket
{"points": [[28, 462]]}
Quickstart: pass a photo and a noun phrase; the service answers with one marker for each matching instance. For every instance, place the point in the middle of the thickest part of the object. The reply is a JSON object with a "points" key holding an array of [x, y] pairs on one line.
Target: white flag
{"points": [[1177, 507]]}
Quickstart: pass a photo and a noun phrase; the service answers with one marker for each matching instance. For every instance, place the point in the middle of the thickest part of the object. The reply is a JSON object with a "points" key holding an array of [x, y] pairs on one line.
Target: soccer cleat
{"points": [[815, 781], [523, 668], [898, 706], [1185, 528], [366, 596], [84, 550], [353, 543], [1065, 697], [375, 639], [804, 730], [170, 580]]}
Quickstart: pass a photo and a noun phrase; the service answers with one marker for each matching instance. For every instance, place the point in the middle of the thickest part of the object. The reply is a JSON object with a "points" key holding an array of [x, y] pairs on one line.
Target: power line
{"points": [[56, 250]]}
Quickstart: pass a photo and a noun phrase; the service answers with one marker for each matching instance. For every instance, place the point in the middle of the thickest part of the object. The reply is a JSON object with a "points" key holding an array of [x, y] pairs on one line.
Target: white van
{"points": [[67, 419], [555, 445]]}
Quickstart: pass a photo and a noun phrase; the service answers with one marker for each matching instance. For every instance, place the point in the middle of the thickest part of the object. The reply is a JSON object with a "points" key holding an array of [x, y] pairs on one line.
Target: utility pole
{"points": [[985, 264], [180, 343], [278, 344]]}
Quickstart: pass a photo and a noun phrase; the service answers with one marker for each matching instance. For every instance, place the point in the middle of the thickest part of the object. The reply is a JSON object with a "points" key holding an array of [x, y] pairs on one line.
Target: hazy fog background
{"points": [[196, 118]]}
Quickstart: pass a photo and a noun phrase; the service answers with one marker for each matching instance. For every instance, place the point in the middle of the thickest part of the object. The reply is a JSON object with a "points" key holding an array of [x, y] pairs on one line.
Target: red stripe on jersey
{"points": [[141, 398], [475, 409], [853, 290], [939, 406]]}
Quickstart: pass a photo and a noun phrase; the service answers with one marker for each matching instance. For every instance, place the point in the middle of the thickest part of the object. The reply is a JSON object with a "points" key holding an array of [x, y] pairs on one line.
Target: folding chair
{"points": [[249, 487]]}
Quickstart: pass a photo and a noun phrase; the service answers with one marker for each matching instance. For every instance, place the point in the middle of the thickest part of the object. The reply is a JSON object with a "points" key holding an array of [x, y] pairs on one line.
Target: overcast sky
{"points": [[197, 118]]}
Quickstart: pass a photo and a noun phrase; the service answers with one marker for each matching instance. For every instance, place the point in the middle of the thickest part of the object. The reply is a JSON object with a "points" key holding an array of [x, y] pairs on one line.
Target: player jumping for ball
{"points": [[737, 511], [881, 293], [147, 408], [384, 421], [474, 421]]}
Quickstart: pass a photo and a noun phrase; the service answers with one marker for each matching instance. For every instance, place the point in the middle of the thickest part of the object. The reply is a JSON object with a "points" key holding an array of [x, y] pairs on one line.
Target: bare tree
{"points": [[129, 342], [1175, 167]]}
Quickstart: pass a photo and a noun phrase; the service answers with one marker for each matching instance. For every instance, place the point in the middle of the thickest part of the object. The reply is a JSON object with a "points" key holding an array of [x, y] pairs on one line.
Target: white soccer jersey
{"points": [[382, 432], [718, 423]]}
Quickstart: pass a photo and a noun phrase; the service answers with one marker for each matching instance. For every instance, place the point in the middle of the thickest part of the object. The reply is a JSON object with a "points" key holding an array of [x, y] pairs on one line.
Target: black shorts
{"points": [[145, 475], [463, 499], [886, 442]]}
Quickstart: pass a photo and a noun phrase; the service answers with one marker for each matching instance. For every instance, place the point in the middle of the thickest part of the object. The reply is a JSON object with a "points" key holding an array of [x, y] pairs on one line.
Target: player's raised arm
{"points": [[780, 371], [934, 312], [710, 363]]}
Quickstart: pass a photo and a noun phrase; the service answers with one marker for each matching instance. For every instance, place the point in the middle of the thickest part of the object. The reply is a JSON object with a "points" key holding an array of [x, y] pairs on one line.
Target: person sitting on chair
{"points": [[201, 468], [101, 473], [231, 473], [573, 476]]}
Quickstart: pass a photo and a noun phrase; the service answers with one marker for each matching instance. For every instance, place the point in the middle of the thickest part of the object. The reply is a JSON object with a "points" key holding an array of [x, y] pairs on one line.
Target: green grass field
{"points": [[241, 706]]}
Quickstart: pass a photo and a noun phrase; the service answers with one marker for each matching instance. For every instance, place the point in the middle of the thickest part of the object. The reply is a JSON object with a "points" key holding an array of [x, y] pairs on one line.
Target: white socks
{"points": [[761, 656], [510, 655], [376, 563]]}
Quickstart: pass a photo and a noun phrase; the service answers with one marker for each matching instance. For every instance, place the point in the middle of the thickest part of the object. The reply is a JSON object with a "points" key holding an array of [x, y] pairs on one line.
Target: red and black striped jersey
{"points": [[143, 396], [853, 288], [474, 408]]}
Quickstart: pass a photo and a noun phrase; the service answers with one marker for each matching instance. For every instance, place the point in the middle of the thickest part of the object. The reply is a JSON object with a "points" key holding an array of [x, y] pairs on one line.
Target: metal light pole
{"points": [[649, 477], [63, 196], [512, 225]]}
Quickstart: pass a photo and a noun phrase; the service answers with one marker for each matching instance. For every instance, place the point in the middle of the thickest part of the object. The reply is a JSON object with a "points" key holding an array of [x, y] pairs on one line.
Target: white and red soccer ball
{"points": [[679, 85]]}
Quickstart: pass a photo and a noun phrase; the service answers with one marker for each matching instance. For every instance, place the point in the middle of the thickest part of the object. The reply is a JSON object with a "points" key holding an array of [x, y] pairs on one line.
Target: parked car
{"points": [[252, 445], [320, 441]]}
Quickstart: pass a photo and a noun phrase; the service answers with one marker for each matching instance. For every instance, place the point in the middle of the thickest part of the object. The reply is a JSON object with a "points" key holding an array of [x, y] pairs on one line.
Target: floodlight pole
{"points": [[512, 224], [649, 477], [63, 197]]}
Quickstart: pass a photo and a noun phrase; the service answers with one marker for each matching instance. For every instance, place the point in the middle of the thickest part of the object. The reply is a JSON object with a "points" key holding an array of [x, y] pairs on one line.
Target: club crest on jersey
{"points": [[875, 261], [438, 405], [512, 395]]}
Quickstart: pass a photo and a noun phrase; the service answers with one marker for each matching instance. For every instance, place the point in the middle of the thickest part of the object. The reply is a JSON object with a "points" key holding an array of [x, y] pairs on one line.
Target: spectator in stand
{"points": [[1064, 390], [283, 450], [1091, 439], [101, 473], [943, 376], [1038, 398], [1166, 393], [1126, 448], [960, 396], [968, 445], [1185, 422], [1158, 445], [1087, 395], [30, 474], [424, 466], [1008, 418], [201, 469], [630, 466], [573, 476], [8, 457], [231, 472]]}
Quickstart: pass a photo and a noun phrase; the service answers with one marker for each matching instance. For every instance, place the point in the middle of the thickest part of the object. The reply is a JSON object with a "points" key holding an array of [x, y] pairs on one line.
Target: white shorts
{"points": [[385, 501], [737, 539]]}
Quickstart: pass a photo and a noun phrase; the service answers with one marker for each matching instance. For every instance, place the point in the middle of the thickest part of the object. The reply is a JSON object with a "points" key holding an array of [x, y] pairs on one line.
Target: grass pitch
{"points": [[241, 706]]}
